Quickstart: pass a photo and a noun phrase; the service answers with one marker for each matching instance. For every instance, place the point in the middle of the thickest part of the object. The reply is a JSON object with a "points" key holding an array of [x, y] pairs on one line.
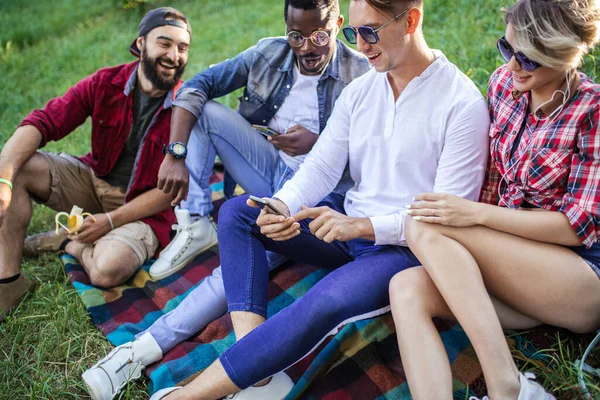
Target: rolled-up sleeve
{"points": [[214, 82], [63, 114], [581, 203]]}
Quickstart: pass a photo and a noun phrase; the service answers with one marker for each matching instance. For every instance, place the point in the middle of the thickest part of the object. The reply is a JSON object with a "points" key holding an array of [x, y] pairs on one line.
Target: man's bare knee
{"points": [[102, 278], [114, 262], [109, 273]]}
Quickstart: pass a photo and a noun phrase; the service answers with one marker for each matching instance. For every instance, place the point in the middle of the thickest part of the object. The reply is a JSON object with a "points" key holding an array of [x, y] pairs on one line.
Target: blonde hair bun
{"points": [[555, 33]]}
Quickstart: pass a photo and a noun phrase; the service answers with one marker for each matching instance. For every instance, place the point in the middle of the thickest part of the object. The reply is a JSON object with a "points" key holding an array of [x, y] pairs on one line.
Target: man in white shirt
{"points": [[412, 124]]}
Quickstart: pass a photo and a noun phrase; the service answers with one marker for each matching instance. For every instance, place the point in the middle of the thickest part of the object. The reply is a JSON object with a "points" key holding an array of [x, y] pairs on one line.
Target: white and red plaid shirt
{"points": [[556, 164]]}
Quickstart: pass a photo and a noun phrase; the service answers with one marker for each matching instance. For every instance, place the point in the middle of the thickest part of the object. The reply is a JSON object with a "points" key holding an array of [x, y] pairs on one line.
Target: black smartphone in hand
{"points": [[265, 130], [262, 203]]}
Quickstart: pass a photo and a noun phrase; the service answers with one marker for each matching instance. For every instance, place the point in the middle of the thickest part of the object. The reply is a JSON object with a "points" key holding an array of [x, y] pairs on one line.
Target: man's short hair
{"points": [[393, 7], [332, 6]]}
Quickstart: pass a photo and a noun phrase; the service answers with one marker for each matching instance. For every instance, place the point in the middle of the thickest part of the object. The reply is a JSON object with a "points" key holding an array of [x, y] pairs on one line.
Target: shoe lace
{"points": [[231, 396], [167, 252], [128, 362], [477, 398], [125, 364]]}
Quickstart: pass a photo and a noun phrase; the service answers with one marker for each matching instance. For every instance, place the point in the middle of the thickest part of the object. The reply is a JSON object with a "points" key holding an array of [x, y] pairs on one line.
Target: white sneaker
{"points": [[279, 387], [162, 393], [123, 364], [191, 239]]}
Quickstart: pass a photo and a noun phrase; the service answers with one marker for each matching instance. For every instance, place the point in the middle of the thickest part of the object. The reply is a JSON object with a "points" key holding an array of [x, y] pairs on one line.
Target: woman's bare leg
{"points": [[544, 282], [415, 302]]}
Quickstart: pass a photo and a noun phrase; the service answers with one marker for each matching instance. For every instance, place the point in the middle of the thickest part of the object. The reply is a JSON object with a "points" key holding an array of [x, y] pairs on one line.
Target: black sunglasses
{"points": [[508, 52], [368, 34]]}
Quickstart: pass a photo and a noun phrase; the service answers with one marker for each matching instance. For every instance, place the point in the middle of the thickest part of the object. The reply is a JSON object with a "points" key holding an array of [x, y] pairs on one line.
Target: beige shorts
{"points": [[74, 183]]}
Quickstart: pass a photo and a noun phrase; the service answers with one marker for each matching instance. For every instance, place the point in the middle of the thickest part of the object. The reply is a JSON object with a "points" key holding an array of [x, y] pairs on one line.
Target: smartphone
{"points": [[266, 203], [265, 130]]}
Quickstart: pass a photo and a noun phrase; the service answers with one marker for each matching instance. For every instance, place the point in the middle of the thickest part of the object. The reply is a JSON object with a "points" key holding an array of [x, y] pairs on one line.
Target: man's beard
{"points": [[149, 66]]}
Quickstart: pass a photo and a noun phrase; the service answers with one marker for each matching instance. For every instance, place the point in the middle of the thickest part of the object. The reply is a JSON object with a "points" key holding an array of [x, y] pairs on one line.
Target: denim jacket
{"points": [[266, 72]]}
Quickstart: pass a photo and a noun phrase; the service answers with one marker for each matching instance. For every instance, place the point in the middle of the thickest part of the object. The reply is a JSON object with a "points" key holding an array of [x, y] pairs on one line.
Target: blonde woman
{"points": [[528, 254]]}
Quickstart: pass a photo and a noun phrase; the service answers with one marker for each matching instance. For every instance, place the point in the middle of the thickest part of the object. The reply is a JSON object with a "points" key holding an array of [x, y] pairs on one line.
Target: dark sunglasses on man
{"points": [[507, 52], [318, 38], [368, 34]]}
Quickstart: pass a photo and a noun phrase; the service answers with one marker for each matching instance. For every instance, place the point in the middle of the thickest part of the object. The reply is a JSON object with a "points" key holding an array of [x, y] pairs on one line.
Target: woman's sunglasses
{"points": [[508, 52], [368, 34]]}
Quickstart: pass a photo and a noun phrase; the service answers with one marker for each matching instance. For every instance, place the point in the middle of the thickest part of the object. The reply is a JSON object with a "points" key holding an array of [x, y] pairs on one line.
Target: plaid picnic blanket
{"points": [[360, 362]]}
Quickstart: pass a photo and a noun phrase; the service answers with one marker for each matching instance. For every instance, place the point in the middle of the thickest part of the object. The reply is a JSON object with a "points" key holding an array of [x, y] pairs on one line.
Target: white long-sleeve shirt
{"points": [[433, 138]]}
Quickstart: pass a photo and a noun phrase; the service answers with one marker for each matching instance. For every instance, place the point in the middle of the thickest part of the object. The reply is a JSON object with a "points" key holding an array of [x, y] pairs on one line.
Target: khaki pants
{"points": [[74, 183]]}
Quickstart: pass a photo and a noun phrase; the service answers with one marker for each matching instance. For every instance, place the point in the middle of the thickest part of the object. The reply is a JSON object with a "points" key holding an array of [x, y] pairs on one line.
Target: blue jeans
{"points": [[249, 158], [205, 303], [356, 288]]}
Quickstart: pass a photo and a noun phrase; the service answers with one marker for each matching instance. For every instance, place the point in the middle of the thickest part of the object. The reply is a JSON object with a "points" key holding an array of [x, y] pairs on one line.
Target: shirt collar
{"points": [[549, 107], [439, 61]]}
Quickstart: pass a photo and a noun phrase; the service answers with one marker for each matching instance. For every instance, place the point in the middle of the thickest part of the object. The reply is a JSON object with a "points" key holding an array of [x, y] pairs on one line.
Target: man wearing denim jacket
{"points": [[290, 85], [290, 89]]}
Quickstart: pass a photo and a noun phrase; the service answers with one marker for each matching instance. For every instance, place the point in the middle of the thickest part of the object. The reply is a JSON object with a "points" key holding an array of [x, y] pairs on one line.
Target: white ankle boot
{"points": [[123, 364], [192, 238]]}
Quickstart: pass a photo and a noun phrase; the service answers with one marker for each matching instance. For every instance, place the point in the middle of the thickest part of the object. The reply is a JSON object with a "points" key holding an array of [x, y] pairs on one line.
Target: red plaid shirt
{"points": [[556, 165], [105, 97]]}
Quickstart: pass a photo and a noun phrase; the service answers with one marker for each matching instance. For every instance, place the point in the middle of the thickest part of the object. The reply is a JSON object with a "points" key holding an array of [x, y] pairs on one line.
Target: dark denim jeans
{"points": [[356, 288]]}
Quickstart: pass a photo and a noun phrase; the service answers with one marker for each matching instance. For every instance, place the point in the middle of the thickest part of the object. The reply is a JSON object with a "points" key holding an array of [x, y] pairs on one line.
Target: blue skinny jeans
{"points": [[356, 288]]}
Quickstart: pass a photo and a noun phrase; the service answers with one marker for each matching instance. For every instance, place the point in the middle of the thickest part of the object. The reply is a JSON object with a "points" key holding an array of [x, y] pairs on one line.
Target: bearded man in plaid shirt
{"points": [[129, 106]]}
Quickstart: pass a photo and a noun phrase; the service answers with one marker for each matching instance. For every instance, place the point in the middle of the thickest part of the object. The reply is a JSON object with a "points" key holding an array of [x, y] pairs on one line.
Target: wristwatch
{"points": [[177, 150]]}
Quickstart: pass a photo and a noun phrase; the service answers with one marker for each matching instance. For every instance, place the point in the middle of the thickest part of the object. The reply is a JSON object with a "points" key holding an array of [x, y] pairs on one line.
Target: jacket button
{"points": [[246, 98], [275, 107]]}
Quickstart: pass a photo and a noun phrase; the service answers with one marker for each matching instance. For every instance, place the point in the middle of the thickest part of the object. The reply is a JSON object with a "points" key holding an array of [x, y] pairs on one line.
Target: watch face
{"points": [[178, 149]]}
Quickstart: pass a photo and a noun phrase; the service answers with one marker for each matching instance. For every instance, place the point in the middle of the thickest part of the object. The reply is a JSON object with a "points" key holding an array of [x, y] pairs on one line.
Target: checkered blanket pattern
{"points": [[361, 361]]}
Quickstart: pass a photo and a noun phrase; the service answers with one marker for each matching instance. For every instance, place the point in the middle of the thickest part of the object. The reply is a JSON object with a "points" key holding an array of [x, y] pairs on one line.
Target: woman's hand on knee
{"points": [[444, 209]]}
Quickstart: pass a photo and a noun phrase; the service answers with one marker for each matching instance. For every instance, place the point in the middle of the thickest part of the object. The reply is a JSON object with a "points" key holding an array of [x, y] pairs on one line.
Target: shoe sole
{"points": [[90, 383], [182, 264]]}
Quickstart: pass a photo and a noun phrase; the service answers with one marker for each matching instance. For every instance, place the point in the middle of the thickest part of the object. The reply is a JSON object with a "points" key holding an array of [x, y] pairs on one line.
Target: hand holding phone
{"points": [[262, 203], [265, 130]]}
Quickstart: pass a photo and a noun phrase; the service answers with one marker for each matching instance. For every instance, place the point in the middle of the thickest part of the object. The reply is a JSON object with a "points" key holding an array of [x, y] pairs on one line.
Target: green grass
{"points": [[46, 46]]}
